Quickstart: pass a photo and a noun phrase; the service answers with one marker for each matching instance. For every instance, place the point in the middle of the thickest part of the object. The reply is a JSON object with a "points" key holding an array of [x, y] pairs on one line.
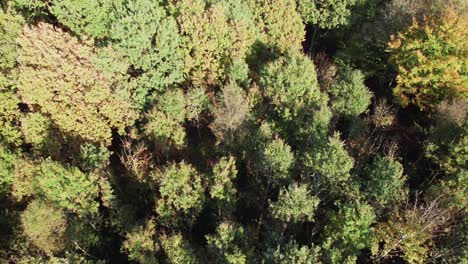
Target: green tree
{"points": [[279, 22], [290, 82], [222, 186], [349, 95], [139, 243], [177, 249], [384, 182], [348, 232], [182, 193], [88, 17], [326, 13], [295, 204], [292, 253], [67, 187], [37, 130], [56, 78], [330, 162], [147, 39], [410, 230], [276, 161], [7, 170], [165, 120], [211, 40], [448, 139], [10, 28], [431, 59], [228, 245], [45, 226], [196, 101]]}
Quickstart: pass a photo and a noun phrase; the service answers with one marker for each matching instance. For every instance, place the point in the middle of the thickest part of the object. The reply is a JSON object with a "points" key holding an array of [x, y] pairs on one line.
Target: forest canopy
{"points": [[233, 131]]}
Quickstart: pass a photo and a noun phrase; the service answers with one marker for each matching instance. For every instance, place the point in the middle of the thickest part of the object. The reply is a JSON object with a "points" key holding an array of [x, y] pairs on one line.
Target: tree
{"points": [[348, 232], [276, 160], [65, 187], [56, 78], [430, 57], [7, 170], [410, 230], [295, 204], [448, 140], [196, 101], [10, 28], [139, 243], [330, 162], [211, 40], [290, 82], [165, 120], [231, 113], [222, 184], [147, 39], [326, 13], [384, 182], [293, 253], [45, 226], [88, 17], [37, 130], [349, 95], [181, 193], [228, 245], [280, 23], [177, 249]]}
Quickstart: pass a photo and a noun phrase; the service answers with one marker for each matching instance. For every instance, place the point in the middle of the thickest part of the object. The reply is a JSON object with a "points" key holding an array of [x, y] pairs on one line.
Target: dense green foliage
{"points": [[233, 131]]}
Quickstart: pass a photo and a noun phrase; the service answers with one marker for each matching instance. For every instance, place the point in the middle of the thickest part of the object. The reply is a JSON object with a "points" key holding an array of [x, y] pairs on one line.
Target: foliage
{"points": [[430, 57], [448, 140], [10, 28], [280, 23], [177, 249], [326, 13], [36, 129], [290, 83], [233, 131], [181, 192], [158, 65], [9, 116], [88, 17], [348, 232], [7, 170], [292, 253], [228, 244], [67, 187], [410, 230], [222, 187], [44, 225], [210, 40], [349, 95], [276, 161], [330, 161], [166, 119], [140, 245], [196, 101], [384, 184], [57, 79], [295, 204], [231, 113], [92, 157]]}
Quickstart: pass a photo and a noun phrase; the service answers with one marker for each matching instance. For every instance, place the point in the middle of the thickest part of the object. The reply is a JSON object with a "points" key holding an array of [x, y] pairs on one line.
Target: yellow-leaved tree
{"points": [[432, 60], [56, 77]]}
